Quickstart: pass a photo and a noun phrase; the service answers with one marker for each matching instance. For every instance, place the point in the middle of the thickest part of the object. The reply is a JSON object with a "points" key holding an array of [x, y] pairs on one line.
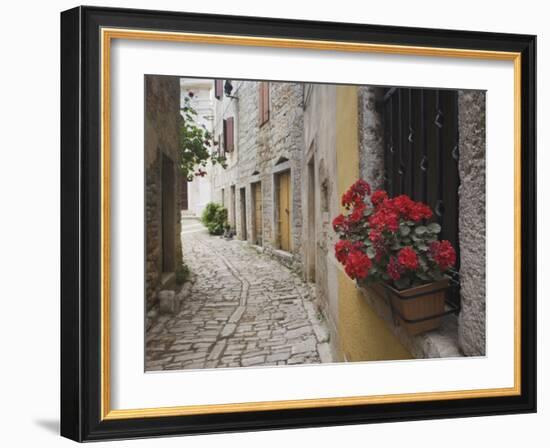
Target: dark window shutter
{"points": [[218, 88], [264, 102], [229, 134]]}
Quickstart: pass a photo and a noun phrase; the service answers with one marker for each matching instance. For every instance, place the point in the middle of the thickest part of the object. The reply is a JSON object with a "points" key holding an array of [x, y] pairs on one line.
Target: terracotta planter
{"points": [[413, 307]]}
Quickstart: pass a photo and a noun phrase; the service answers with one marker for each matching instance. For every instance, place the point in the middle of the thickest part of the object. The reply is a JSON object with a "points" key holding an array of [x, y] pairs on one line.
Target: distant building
{"points": [[196, 194]]}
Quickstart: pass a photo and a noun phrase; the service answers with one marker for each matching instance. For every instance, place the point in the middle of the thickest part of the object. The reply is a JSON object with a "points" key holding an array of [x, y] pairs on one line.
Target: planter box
{"points": [[417, 309]]}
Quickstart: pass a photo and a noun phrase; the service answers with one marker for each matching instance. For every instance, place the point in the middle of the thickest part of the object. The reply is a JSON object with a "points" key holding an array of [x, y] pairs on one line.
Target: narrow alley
{"points": [[243, 309]]}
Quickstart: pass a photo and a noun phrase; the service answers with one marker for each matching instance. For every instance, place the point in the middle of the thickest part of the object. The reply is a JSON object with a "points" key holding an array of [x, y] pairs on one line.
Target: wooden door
{"points": [[244, 235], [258, 230], [284, 211]]}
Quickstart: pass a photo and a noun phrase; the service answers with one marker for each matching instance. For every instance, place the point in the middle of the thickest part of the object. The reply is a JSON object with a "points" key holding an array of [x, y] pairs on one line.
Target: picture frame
{"points": [[86, 37]]}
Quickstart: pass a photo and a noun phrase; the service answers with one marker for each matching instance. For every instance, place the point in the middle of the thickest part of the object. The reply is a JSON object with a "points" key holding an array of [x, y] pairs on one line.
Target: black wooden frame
{"points": [[80, 224]]}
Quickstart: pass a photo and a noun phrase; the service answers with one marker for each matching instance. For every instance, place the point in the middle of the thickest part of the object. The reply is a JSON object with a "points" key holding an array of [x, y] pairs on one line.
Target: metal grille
{"points": [[421, 155]]}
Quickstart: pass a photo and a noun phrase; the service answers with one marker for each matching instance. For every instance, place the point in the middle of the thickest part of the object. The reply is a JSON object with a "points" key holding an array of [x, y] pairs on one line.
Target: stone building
{"points": [[260, 129], [162, 183], [293, 149], [426, 143]]}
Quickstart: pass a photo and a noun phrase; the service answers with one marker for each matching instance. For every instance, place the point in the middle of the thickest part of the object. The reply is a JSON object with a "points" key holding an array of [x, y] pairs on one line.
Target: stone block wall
{"points": [[469, 335], [162, 118], [260, 151], [471, 220]]}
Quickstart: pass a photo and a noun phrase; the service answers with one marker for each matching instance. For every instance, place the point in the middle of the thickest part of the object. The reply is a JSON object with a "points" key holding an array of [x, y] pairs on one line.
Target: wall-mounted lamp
{"points": [[228, 88]]}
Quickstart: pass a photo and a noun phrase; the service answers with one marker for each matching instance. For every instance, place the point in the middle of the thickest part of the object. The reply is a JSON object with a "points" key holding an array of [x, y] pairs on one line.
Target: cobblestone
{"points": [[243, 309]]}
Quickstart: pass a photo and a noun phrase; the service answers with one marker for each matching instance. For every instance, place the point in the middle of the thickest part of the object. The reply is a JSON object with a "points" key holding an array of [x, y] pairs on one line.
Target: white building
{"points": [[196, 194]]}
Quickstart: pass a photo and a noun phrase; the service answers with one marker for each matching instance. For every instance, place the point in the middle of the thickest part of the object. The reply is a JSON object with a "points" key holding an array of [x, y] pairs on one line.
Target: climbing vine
{"points": [[197, 145]]}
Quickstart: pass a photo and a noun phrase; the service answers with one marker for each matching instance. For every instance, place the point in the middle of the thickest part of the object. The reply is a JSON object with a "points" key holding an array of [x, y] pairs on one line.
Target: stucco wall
{"points": [[162, 115], [364, 335], [318, 237]]}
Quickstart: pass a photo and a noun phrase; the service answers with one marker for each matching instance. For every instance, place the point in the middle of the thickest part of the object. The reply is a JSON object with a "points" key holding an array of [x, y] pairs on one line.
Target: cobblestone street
{"points": [[244, 309]]}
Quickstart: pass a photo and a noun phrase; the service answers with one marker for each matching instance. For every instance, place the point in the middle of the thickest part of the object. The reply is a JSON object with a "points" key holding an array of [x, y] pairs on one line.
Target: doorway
{"points": [[283, 208], [168, 217], [257, 207], [311, 224], [233, 209], [244, 235]]}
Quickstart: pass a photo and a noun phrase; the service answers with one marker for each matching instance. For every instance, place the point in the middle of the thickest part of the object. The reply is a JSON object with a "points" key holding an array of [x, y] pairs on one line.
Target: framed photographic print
{"points": [[274, 224]]}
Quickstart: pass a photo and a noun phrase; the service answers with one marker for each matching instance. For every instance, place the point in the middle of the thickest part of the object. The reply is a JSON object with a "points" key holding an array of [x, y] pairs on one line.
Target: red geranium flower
{"points": [[339, 223], [408, 258], [443, 254], [357, 264], [342, 249], [358, 213], [393, 269], [378, 197], [355, 195]]}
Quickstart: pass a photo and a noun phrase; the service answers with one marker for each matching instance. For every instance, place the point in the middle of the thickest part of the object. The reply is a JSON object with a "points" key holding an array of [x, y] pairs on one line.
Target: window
{"points": [[264, 102], [421, 139], [218, 88], [228, 134]]}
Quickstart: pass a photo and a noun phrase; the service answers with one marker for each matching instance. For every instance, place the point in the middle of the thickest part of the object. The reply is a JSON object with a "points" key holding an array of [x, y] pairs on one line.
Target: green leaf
{"points": [[371, 252], [422, 246], [423, 276], [404, 230], [421, 230], [402, 283], [434, 227]]}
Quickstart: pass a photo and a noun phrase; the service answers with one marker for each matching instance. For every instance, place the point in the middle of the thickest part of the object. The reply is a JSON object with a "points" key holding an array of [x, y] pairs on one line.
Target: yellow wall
{"points": [[362, 334]]}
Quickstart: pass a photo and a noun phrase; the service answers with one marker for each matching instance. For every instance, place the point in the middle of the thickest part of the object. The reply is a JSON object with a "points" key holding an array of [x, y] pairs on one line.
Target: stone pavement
{"points": [[244, 309]]}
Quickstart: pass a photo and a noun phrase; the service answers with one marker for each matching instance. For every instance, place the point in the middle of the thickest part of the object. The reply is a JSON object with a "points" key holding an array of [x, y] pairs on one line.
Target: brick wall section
{"points": [[162, 115]]}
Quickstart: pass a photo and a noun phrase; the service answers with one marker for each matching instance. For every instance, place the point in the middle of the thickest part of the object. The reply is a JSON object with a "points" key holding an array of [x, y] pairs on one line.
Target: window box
{"points": [[418, 309]]}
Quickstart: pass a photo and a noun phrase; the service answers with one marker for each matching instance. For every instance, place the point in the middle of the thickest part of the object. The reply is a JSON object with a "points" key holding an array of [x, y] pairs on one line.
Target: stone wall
{"points": [[162, 115], [260, 152], [469, 335], [371, 136], [471, 223]]}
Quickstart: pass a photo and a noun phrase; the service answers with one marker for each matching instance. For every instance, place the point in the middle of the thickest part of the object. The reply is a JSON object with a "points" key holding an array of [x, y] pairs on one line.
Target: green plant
{"points": [[214, 217], [182, 273], [390, 239], [197, 146]]}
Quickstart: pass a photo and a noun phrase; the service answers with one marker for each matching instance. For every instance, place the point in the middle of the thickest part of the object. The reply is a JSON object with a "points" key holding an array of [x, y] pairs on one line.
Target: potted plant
{"points": [[391, 245]]}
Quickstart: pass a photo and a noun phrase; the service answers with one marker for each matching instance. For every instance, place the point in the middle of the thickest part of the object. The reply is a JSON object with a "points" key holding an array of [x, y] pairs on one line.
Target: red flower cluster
{"points": [[339, 224], [342, 249], [384, 218], [408, 258], [357, 264], [378, 197], [355, 261], [372, 245], [356, 194], [443, 254], [394, 270]]}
